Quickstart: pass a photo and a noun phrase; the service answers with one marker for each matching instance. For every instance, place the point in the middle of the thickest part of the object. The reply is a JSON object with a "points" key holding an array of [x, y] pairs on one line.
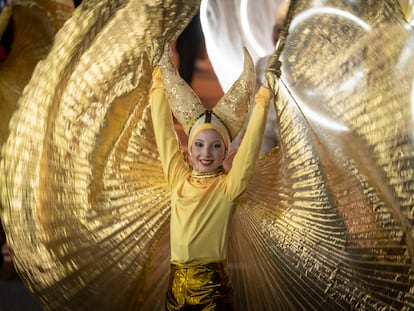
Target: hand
{"points": [[166, 56], [158, 53], [273, 72]]}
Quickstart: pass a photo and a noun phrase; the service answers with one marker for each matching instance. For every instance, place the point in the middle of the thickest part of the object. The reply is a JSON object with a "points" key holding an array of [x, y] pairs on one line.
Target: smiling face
{"points": [[207, 151]]}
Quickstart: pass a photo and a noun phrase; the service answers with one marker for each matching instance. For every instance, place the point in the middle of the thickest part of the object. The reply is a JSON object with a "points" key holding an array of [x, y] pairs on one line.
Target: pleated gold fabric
{"points": [[83, 194], [35, 24], [327, 221], [329, 212]]}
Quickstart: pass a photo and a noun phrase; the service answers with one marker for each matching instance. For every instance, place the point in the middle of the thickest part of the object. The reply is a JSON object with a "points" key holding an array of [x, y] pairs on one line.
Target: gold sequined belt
{"points": [[199, 284]]}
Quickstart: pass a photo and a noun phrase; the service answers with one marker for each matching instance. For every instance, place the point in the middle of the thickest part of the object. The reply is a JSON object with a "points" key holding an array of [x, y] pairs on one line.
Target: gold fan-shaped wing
{"points": [[327, 222], [85, 204]]}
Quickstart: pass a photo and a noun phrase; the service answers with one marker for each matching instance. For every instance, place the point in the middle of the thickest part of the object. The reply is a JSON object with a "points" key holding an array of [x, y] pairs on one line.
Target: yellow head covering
{"points": [[227, 116], [209, 121]]}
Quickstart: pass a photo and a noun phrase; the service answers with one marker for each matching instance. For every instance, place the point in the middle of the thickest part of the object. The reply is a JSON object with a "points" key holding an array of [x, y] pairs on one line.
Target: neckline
{"points": [[217, 172]]}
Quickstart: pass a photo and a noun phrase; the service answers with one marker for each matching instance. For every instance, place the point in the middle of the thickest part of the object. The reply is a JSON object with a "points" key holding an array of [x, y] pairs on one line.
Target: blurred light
{"points": [[323, 11], [260, 50]]}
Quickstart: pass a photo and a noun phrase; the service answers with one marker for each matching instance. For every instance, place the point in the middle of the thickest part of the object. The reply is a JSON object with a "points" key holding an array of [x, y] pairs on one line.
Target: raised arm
{"points": [[245, 160], [167, 141]]}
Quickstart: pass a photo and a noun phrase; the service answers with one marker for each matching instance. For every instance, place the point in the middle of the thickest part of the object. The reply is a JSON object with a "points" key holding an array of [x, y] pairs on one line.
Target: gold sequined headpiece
{"points": [[231, 110]]}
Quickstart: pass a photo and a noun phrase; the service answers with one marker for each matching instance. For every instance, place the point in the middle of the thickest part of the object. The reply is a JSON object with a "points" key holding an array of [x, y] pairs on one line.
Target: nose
{"points": [[206, 152]]}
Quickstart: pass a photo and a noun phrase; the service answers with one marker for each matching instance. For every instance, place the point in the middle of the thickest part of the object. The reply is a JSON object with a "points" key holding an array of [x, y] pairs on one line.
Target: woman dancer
{"points": [[203, 195]]}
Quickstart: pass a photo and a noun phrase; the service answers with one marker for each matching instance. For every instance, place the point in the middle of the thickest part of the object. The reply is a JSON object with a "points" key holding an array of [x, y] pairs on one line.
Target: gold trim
{"points": [[217, 172]]}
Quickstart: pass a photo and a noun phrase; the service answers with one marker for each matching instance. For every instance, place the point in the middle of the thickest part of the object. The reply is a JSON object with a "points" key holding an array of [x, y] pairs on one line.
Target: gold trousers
{"points": [[199, 286]]}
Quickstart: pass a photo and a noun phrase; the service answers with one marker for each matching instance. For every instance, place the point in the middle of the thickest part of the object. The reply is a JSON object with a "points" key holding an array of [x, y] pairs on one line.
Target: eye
{"points": [[217, 145], [198, 144]]}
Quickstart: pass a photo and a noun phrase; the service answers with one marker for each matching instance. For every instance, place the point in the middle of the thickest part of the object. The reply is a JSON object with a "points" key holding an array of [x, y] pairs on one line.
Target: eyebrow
{"points": [[213, 142]]}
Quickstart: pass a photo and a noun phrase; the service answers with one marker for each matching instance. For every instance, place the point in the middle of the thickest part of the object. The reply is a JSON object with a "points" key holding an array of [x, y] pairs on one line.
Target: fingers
{"points": [[274, 65], [273, 72]]}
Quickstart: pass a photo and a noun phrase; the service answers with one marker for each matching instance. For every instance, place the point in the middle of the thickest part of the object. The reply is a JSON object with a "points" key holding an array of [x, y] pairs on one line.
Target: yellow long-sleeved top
{"points": [[201, 208]]}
